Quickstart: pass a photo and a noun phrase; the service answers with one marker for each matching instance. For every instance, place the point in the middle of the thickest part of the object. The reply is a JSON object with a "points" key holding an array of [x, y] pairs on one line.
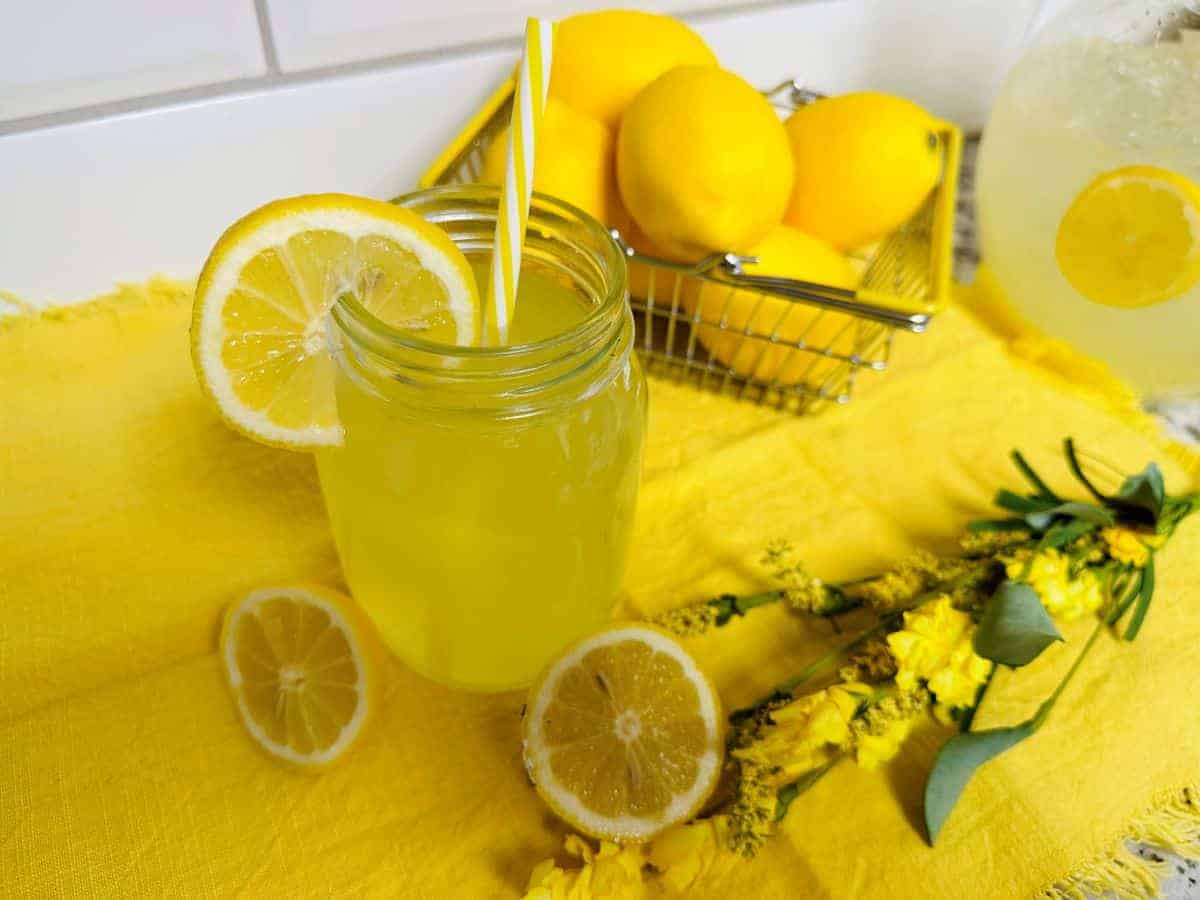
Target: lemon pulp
{"points": [[623, 734], [296, 661], [1132, 237]]}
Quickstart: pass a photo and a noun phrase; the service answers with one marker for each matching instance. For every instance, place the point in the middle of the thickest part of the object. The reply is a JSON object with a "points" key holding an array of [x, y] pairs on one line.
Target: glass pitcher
{"points": [[1089, 188]]}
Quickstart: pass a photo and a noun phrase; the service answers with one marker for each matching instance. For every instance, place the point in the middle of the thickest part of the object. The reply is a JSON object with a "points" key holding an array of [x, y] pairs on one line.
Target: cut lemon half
{"points": [[1132, 237], [259, 340], [624, 735], [297, 660]]}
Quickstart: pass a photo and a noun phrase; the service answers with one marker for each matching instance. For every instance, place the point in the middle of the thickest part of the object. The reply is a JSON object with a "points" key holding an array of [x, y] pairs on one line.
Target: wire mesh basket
{"points": [[789, 344]]}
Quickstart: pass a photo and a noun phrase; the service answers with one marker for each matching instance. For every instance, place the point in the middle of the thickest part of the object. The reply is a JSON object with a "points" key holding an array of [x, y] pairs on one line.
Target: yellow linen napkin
{"points": [[129, 517]]}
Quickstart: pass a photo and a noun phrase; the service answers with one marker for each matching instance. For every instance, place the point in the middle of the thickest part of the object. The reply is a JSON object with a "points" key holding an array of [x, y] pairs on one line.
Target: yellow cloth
{"points": [[129, 517]]}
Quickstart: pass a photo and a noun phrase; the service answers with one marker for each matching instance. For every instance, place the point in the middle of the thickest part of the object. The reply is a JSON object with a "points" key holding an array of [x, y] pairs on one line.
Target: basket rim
{"points": [[868, 303]]}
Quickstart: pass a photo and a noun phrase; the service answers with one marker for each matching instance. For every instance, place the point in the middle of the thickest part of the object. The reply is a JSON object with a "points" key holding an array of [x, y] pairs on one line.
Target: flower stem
{"points": [[1043, 712], [969, 716], [785, 688]]}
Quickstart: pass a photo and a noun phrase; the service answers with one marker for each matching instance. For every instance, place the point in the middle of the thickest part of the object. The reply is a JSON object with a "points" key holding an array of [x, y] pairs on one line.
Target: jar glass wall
{"points": [[483, 498]]}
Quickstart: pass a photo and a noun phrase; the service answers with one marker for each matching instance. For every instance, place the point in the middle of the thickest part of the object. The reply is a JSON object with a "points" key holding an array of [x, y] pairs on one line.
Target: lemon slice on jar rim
{"points": [[259, 342], [623, 734], [1131, 238]]}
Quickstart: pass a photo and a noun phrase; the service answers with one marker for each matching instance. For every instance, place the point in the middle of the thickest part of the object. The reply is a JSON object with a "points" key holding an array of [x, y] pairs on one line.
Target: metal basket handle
{"points": [[728, 269]]}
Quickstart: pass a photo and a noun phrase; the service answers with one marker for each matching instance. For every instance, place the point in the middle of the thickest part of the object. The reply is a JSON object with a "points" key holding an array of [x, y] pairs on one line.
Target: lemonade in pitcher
{"points": [[1088, 194], [482, 498]]}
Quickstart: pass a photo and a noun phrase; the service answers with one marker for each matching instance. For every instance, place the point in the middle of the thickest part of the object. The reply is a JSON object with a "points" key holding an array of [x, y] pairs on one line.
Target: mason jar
{"points": [[483, 498]]}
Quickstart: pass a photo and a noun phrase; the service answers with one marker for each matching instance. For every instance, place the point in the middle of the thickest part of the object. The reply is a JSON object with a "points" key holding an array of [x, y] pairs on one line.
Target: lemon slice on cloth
{"points": [[1132, 237], [298, 660], [259, 323], [623, 734]]}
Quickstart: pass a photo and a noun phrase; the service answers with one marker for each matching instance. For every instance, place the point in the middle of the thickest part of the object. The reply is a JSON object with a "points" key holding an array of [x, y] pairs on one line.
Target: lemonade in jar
{"points": [[482, 498], [1089, 188]]}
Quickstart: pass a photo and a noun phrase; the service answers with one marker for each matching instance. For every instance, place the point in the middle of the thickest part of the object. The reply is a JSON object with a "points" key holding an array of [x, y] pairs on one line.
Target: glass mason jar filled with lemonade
{"points": [[1089, 188], [482, 499]]}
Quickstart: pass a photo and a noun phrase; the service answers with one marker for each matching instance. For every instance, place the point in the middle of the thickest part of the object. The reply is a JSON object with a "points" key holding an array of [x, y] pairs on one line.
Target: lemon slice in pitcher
{"points": [[259, 323], [1132, 237], [623, 734], [298, 660]]}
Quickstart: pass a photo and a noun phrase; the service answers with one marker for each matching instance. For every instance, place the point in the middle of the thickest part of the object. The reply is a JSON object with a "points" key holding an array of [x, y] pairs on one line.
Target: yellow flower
{"points": [[752, 814], [873, 750], [1127, 546], [686, 853], [1049, 573], [610, 873], [935, 647], [884, 727], [810, 731], [901, 586]]}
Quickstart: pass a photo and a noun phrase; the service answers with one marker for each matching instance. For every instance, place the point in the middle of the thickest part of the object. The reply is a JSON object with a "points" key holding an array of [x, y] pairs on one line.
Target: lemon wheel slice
{"points": [[297, 660], [259, 323], [623, 734], [1132, 237]]}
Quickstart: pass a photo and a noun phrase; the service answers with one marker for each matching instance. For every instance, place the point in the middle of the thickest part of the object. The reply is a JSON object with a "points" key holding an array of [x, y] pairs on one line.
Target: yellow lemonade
{"points": [[482, 500], [1071, 112]]}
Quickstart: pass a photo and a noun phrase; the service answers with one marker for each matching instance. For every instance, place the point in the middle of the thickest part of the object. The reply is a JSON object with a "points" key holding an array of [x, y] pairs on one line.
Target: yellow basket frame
{"points": [[906, 281]]}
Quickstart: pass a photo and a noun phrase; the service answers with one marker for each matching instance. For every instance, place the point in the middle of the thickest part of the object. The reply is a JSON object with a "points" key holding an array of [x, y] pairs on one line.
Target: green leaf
{"points": [[789, 792], [1077, 470], [1062, 533], [1014, 502], [1124, 593], [1073, 509], [1015, 627], [1033, 478], [997, 525], [725, 607], [1145, 595], [956, 763], [784, 798], [1144, 491]]}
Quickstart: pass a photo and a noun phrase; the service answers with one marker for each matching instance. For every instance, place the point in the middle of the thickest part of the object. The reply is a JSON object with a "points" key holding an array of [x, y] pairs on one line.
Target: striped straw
{"points": [[529, 102]]}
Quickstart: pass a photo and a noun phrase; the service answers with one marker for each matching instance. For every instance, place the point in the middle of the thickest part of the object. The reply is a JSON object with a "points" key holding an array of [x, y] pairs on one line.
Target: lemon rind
{"points": [[632, 828]]}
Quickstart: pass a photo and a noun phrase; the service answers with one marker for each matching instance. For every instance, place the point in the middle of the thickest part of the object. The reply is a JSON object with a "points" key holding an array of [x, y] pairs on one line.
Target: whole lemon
{"points": [[703, 163], [574, 162], [864, 164], [787, 253], [603, 59], [647, 282]]}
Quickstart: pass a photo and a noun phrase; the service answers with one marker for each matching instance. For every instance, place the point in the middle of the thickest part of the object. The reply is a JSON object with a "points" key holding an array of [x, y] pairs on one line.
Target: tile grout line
{"points": [[267, 35], [276, 77]]}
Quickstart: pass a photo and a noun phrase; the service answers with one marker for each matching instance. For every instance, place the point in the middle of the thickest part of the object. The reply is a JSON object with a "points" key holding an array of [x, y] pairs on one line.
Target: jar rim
{"points": [[348, 310]]}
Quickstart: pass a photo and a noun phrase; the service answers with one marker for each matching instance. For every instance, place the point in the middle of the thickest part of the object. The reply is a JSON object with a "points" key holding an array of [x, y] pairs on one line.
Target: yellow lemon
{"points": [[623, 734], [259, 318], [647, 282], [300, 662], [703, 163], [786, 253], [603, 59], [575, 161], [1132, 237], [864, 164]]}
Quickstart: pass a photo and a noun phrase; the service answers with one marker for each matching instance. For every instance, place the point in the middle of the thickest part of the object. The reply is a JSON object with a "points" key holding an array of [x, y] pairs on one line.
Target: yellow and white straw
{"points": [[529, 102]]}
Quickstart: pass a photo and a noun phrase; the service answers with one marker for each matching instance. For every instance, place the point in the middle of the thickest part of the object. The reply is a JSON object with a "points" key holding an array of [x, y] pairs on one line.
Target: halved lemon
{"points": [[299, 663], [259, 323], [1132, 237], [624, 734]]}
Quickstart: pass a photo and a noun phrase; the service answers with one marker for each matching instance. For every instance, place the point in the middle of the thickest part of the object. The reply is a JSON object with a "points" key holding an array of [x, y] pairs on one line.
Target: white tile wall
{"points": [[948, 56], [310, 33], [88, 201], [61, 55]]}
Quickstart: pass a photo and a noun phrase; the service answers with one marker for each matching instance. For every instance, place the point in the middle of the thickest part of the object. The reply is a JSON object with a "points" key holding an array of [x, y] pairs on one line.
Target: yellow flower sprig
{"points": [[945, 624]]}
